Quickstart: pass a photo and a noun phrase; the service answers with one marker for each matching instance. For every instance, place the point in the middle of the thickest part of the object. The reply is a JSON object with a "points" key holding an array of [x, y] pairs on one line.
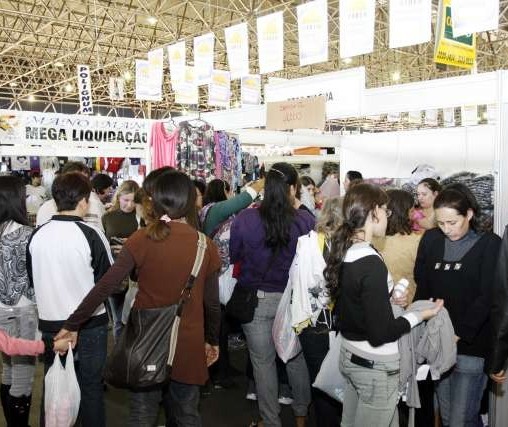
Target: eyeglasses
{"points": [[387, 211]]}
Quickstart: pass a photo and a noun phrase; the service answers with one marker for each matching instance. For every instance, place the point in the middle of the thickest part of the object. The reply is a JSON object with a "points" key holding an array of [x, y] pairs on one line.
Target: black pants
{"points": [[315, 344], [220, 370]]}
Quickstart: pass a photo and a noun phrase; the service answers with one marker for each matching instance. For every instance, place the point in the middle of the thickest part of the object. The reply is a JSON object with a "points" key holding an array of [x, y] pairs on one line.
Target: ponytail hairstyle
{"points": [[173, 197], [276, 209], [330, 216], [359, 202], [459, 197]]}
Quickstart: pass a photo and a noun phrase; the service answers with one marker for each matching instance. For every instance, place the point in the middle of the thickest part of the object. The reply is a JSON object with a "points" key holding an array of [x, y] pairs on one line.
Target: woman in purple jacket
{"points": [[263, 241]]}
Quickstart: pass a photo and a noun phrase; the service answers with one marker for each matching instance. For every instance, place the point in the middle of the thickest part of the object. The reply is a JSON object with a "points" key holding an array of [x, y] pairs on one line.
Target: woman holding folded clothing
{"points": [[360, 285]]}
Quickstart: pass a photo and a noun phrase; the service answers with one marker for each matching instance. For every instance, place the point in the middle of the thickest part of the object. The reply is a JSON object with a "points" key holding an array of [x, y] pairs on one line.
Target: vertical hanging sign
{"points": [[156, 63], [143, 86], [219, 89], [237, 45], [187, 92], [450, 50], [410, 22], [85, 90], [116, 89], [251, 90], [356, 27], [270, 29], [176, 58], [203, 58], [313, 32], [474, 16]]}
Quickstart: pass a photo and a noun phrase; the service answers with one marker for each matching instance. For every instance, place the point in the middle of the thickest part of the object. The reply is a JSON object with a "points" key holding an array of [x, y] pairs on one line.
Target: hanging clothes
{"points": [[229, 158], [163, 145], [195, 151], [250, 167]]}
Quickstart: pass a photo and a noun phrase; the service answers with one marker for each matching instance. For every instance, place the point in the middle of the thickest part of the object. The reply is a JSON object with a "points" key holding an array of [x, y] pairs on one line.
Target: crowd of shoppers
{"points": [[354, 261]]}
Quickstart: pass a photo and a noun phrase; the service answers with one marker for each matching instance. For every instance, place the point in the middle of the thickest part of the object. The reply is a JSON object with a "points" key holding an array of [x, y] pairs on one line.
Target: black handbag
{"points": [[144, 352], [243, 303]]}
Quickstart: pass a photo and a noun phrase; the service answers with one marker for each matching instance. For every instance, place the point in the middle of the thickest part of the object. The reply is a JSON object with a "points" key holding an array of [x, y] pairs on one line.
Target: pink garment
{"points": [[20, 347], [163, 146], [218, 159], [417, 215]]}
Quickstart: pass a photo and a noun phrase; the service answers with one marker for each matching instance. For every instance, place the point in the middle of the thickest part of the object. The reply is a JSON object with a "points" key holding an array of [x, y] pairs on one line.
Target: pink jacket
{"points": [[20, 347]]}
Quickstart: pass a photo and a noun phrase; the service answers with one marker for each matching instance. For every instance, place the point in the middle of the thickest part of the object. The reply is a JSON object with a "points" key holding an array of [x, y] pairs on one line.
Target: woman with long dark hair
{"points": [[360, 285], [163, 254], [18, 313], [263, 241], [456, 261]]}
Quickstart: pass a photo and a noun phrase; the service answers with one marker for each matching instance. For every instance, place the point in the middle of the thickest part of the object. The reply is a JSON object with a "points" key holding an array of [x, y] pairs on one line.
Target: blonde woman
{"points": [[119, 223]]}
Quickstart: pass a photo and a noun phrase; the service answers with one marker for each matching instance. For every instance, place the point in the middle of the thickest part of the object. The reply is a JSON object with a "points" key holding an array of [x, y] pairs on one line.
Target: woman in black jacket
{"points": [[456, 262]]}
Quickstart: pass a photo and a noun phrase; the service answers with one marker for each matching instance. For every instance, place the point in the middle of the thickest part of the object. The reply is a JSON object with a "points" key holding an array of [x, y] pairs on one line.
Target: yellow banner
{"points": [[449, 50]]}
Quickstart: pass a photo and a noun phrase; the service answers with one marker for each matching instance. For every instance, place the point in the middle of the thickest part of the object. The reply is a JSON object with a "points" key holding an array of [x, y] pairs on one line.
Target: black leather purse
{"points": [[143, 355]]}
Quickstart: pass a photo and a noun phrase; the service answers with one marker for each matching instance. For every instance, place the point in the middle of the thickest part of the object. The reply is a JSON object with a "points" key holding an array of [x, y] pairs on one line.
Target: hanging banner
{"points": [[410, 22], [449, 50], [85, 90], [25, 128], [237, 46], [343, 90], [187, 92], [474, 16], [145, 91], [203, 58], [176, 58], [356, 23], [251, 90], [219, 89], [270, 29], [313, 32], [156, 62], [116, 89], [306, 113]]}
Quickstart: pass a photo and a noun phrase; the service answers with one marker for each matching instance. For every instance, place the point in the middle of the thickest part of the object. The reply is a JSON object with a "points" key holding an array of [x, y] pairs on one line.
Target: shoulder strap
{"points": [[198, 262]]}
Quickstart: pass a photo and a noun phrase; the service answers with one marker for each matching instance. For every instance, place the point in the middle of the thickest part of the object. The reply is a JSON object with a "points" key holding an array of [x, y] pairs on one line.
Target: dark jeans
{"points": [[220, 370], [182, 399], [89, 359], [315, 344]]}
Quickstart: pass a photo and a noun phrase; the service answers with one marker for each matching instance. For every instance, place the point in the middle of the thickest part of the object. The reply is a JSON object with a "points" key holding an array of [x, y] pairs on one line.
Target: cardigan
{"points": [[466, 285]]}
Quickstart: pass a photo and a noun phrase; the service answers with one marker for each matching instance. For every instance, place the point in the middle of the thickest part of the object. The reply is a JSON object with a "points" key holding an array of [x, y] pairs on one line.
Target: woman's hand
{"points": [[211, 354], [67, 336], [62, 346], [402, 300], [499, 378], [431, 312]]}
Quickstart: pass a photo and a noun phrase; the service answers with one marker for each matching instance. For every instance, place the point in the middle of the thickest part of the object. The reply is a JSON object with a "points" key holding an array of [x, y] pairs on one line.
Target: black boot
{"points": [[5, 397], [20, 410]]}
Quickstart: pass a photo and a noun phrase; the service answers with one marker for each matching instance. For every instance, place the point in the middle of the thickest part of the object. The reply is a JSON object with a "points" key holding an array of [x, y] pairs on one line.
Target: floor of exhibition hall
{"points": [[221, 408]]}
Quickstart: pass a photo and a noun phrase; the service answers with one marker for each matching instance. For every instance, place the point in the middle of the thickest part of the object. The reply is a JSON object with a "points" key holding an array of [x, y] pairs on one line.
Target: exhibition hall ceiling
{"points": [[42, 41]]}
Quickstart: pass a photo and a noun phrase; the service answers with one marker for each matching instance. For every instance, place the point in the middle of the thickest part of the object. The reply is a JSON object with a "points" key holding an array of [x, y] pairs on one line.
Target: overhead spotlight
{"points": [[152, 20], [347, 60], [59, 64], [99, 114], [237, 104], [396, 76], [31, 98], [127, 76], [13, 84], [69, 87]]}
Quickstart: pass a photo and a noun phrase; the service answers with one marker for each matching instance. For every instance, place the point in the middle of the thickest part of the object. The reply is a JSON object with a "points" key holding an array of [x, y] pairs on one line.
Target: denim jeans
{"points": [[315, 343], [90, 357], [182, 399], [262, 354], [371, 395], [460, 392], [18, 371], [116, 302]]}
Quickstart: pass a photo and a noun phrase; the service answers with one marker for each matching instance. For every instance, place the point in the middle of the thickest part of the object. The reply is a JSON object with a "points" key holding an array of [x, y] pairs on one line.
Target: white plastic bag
{"points": [[329, 378], [286, 341], [226, 285], [62, 394]]}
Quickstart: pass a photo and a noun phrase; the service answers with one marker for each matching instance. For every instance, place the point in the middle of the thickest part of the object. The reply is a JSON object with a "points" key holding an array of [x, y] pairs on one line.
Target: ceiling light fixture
{"points": [[31, 98], [127, 76], [69, 87], [59, 64], [347, 60], [13, 84], [152, 20], [396, 76]]}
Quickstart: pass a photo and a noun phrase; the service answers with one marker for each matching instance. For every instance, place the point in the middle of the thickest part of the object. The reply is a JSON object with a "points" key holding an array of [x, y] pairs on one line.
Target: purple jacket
{"points": [[247, 246]]}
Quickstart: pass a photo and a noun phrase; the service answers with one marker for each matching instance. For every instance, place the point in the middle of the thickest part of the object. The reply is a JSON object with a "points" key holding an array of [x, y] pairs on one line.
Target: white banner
{"points": [[474, 16], [27, 128], [343, 90], [188, 92], [270, 29], [116, 89], [237, 45], [203, 58], [219, 89], [313, 32], [156, 62], [410, 22], [251, 90], [176, 58], [144, 89], [85, 90], [356, 25]]}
